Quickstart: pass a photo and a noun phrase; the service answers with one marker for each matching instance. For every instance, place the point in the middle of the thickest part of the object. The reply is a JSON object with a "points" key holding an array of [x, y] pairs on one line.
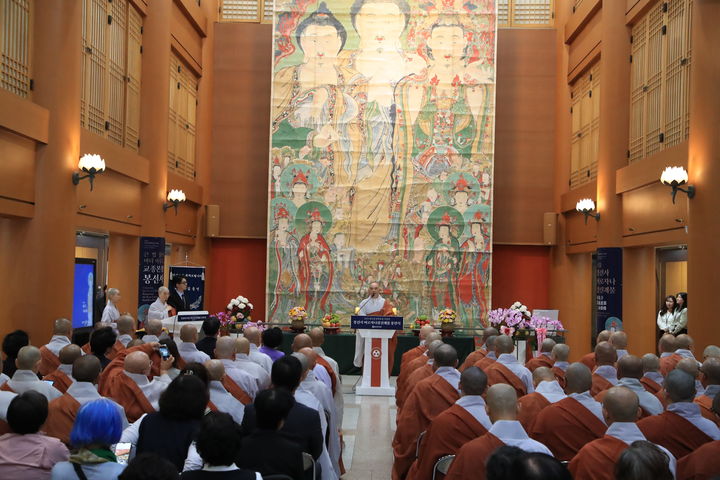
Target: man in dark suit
{"points": [[178, 300], [210, 327], [285, 457], [302, 425]]}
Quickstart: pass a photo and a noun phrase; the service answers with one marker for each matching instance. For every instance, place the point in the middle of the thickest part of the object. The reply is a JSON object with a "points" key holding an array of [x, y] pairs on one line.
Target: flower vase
{"points": [[297, 325], [447, 329]]}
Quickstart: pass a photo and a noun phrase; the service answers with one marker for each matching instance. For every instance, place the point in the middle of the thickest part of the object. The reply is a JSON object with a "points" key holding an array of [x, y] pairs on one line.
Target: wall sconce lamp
{"points": [[675, 177], [175, 197], [92, 165], [586, 207]]}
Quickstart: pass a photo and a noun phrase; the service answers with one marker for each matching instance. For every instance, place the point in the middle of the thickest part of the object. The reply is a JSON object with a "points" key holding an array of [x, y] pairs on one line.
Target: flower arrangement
{"points": [[240, 307], [260, 325], [420, 322], [507, 320], [542, 325], [331, 320], [227, 321], [447, 316], [297, 313]]}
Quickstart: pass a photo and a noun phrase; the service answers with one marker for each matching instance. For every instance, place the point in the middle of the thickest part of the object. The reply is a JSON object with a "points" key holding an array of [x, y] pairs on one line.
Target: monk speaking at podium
{"points": [[374, 305]]}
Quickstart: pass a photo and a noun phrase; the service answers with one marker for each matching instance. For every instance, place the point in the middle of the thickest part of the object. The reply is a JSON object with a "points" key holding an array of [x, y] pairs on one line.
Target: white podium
{"points": [[376, 378]]}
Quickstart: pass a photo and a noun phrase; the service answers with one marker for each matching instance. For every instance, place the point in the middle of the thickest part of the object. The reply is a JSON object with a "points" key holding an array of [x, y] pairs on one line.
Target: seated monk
{"points": [[126, 333], [681, 428], [238, 382], [242, 358], [621, 409], [507, 368], [605, 374], [428, 399], [25, 377], [63, 410], [220, 398], [560, 354], [419, 374], [545, 358], [412, 366], [323, 371], [629, 372], [711, 375], [711, 351], [61, 377], [589, 359], [668, 358], [187, 349], [133, 390], [480, 353], [502, 408], [692, 367], [619, 340], [703, 463], [490, 356], [566, 426], [415, 352], [652, 379], [117, 365], [62, 333], [153, 330], [684, 346], [547, 391], [464, 421], [318, 338]]}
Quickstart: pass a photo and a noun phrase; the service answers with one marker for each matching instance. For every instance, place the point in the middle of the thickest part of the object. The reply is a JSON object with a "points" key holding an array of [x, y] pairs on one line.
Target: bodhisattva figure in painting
{"points": [[442, 264], [283, 265], [315, 263], [474, 269]]}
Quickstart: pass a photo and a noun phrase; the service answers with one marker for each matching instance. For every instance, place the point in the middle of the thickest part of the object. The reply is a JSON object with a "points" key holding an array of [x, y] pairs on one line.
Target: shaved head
{"points": [[561, 352], [301, 340], [547, 345], [667, 343], [680, 386], [711, 370], [253, 335], [684, 341], [630, 366], [424, 330], [432, 336], [578, 378], [188, 333], [126, 325], [489, 331], [134, 342], [153, 327], [311, 356], [225, 348], [650, 363], [69, 353], [138, 362], [490, 343], [304, 362], [711, 351], [620, 404], [503, 344], [432, 348], [28, 358], [603, 336], [317, 335], [215, 369], [542, 374], [689, 366], [502, 402], [242, 345], [445, 356], [619, 340], [86, 369], [473, 381], [605, 354], [62, 326]]}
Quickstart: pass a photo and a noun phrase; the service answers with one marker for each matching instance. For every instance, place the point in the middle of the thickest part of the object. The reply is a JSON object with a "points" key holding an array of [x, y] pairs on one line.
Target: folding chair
{"points": [[308, 463], [442, 465], [417, 444]]}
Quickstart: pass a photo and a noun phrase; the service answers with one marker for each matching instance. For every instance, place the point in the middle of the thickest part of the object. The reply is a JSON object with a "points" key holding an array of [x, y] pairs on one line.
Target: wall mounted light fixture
{"points": [[675, 177], [586, 206], [174, 197], [91, 165]]}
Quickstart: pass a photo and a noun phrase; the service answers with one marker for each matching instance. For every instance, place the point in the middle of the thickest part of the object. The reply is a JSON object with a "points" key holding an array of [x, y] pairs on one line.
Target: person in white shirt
{"points": [[153, 330], [159, 308], [219, 396], [372, 304], [110, 313], [682, 312], [188, 350], [25, 377], [126, 329], [225, 351], [254, 337], [242, 358], [629, 372], [667, 320]]}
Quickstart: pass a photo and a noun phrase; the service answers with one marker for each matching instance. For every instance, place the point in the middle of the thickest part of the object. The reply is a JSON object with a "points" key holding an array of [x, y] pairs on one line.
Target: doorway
{"points": [[670, 273]]}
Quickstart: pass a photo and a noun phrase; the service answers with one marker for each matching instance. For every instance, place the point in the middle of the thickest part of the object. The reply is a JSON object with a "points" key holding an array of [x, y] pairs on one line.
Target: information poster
{"points": [[152, 266], [609, 289]]}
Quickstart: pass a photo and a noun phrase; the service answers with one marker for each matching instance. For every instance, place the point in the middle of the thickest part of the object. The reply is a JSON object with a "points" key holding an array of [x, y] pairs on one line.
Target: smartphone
{"points": [[122, 452], [164, 352]]}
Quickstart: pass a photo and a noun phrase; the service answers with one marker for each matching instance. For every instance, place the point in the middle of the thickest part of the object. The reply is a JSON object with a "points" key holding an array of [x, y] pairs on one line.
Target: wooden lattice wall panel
{"points": [[182, 119], [15, 46], [134, 71], [585, 127], [240, 10], [532, 12]]}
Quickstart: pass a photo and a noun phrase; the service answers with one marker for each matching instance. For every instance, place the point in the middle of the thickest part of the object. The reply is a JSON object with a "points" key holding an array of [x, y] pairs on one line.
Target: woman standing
{"points": [[682, 312], [667, 317]]}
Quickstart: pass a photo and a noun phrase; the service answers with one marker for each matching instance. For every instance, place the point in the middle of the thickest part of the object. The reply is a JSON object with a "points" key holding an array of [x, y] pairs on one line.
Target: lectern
{"points": [[376, 331]]}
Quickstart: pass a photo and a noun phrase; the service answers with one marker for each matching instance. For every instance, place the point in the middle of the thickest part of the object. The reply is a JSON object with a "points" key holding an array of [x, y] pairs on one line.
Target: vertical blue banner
{"points": [[196, 284], [151, 271], [608, 300]]}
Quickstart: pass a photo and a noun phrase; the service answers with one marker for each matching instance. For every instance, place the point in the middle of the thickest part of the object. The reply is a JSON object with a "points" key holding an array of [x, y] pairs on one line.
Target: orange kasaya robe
{"points": [[472, 359], [539, 361], [560, 376], [673, 432], [484, 363], [599, 383], [410, 355], [599, 398], [449, 431], [471, 458], [61, 417], [596, 460], [48, 361], [705, 403], [530, 406], [565, 427], [333, 378], [236, 391], [60, 380], [651, 385], [117, 366], [429, 398], [499, 373], [420, 374], [668, 364], [403, 378], [662, 396], [116, 349], [86, 348], [702, 464], [386, 311], [126, 392], [589, 360]]}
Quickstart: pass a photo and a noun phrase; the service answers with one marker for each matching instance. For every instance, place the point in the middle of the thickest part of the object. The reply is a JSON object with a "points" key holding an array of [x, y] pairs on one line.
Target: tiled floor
{"points": [[368, 428]]}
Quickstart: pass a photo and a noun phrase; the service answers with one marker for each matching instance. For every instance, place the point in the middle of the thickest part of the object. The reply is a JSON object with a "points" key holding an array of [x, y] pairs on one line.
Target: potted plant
{"points": [[447, 322], [297, 319]]}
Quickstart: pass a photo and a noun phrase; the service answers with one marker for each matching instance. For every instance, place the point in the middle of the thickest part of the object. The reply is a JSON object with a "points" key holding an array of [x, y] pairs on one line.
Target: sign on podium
{"points": [[376, 331]]}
